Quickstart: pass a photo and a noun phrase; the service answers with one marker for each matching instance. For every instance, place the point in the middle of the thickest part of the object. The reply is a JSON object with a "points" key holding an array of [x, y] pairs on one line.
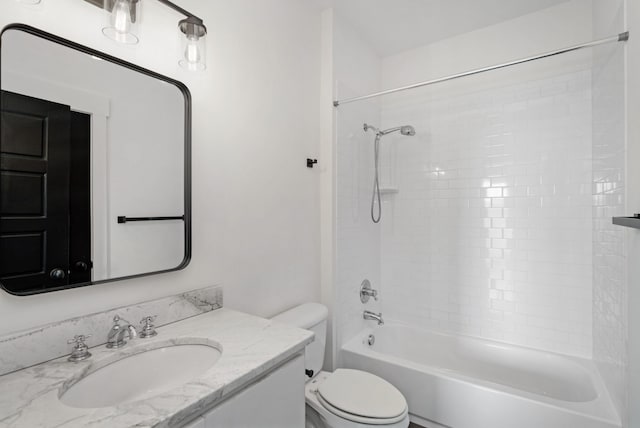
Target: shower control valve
{"points": [[366, 292]]}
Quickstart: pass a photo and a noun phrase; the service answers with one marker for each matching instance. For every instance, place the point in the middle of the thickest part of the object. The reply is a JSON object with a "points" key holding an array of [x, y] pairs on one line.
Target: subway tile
{"points": [[499, 218]]}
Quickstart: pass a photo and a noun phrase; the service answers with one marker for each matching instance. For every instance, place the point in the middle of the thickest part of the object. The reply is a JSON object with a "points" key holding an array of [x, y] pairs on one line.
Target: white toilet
{"points": [[345, 398]]}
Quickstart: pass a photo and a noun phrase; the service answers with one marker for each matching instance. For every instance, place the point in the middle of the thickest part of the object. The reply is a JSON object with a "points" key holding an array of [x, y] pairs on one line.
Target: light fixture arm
{"points": [[192, 26], [181, 10]]}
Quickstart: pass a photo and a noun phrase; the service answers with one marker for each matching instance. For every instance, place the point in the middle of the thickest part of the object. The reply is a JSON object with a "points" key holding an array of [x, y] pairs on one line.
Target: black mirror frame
{"points": [[187, 148]]}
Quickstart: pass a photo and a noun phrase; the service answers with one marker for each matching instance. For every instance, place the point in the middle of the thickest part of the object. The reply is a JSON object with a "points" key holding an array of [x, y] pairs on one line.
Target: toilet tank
{"points": [[309, 316]]}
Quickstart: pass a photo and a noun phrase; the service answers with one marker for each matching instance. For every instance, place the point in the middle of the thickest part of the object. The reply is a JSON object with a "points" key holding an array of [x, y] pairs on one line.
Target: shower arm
{"points": [[622, 37], [389, 131]]}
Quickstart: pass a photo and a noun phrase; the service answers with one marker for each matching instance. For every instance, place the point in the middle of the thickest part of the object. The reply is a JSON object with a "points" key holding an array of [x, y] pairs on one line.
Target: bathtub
{"points": [[465, 382]]}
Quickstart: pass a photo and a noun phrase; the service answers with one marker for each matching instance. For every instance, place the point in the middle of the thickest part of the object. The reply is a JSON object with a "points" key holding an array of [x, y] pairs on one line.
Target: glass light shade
{"points": [[193, 47], [123, 22], [193, 54]]}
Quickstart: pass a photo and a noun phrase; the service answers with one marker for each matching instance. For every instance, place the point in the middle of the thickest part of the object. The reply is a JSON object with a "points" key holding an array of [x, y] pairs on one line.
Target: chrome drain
{"points": [[371, 340]]}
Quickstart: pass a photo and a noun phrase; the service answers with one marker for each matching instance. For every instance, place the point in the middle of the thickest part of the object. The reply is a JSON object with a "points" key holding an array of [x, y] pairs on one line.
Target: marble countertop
{"points": [[250, 346]]}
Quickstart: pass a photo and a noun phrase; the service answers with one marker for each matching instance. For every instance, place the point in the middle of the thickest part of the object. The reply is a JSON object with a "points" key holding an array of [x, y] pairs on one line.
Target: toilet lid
{"points": [[362, 394]]}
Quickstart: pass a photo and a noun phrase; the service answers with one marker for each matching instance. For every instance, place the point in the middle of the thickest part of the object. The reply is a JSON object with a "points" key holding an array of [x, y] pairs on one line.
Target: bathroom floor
{"points": [[412, 425]]}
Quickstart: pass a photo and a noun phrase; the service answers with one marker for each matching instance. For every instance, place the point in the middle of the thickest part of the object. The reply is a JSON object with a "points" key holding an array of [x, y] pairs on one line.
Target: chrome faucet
{"points": [[115, 338], [368, 315]]}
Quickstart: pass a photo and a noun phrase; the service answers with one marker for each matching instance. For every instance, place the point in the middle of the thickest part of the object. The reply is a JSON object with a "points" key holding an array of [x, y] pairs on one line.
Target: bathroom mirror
{"points": [[95, 166]]}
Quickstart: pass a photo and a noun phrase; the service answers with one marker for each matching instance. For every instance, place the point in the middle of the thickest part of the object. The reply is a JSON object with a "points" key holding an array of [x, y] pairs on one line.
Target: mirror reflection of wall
{"points": [[128, 159]]}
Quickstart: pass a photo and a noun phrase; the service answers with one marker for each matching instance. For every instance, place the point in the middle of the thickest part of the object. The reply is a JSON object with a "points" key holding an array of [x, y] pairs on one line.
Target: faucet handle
{"points": [[78, 339], [366, 292], [80, 350], [148, 329]]}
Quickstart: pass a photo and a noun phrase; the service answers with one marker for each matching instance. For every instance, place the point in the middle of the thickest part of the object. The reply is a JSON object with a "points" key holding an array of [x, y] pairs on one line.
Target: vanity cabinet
{"points": [[276, 400]]}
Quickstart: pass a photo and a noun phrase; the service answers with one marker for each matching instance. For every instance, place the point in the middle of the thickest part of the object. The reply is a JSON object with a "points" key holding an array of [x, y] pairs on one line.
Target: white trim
{"points": [[79, 100]]}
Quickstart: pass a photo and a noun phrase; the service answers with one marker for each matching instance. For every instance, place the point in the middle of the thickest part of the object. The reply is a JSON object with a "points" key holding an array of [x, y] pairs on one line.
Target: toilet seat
{"points": [[359, 419], [362, 397]]}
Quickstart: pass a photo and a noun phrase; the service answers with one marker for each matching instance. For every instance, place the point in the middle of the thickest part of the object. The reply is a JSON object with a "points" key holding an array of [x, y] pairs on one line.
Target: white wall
{"points": [[256, 119], [328, 185]]}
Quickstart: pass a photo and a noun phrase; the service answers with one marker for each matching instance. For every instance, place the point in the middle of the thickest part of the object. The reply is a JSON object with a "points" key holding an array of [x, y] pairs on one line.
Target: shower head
{"points": [[404, 130], [407, 130]]}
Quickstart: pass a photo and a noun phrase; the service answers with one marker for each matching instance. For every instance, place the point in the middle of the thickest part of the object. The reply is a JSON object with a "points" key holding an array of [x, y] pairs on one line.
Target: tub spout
{"points": [[373, 316]]}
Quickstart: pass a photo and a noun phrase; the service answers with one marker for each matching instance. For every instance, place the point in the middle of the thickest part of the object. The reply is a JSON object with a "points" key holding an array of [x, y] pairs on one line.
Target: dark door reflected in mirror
{"points": [[45, 235], [86, 139]]}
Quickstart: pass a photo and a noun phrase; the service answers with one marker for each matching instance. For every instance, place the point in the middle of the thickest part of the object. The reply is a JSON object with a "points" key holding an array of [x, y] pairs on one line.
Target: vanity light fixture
{"points": [[123, 24], [193, 44]]}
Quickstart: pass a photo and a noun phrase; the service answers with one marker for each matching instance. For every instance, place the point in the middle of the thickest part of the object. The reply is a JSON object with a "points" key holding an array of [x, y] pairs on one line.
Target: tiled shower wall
{"points": [[500, 226], [609, 246], [490, 233], [358, 240]]}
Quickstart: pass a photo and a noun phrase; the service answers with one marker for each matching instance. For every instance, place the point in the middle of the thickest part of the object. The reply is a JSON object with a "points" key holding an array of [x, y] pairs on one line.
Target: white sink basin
{"points": [[141, 375]]}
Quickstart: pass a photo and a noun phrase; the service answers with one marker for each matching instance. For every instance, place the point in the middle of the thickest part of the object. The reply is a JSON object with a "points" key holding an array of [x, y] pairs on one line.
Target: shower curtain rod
{"points": [[622, 37]]}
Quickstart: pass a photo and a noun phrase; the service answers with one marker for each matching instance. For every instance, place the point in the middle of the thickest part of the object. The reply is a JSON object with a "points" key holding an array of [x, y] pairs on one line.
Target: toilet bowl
{"points": [[349, 400], [345, 398]]}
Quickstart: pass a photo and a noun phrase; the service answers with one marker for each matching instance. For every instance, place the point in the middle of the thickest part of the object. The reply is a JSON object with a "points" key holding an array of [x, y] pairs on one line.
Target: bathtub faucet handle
{"points": [[366, 292]]}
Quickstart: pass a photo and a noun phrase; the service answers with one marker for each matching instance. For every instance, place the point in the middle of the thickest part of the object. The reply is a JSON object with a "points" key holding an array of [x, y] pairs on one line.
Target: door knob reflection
{"points": [[57, 274], [81, 266]]}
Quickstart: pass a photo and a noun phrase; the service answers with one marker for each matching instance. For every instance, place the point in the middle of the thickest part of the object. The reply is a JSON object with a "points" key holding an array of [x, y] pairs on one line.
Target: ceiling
{"points": [[393, 26]]}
